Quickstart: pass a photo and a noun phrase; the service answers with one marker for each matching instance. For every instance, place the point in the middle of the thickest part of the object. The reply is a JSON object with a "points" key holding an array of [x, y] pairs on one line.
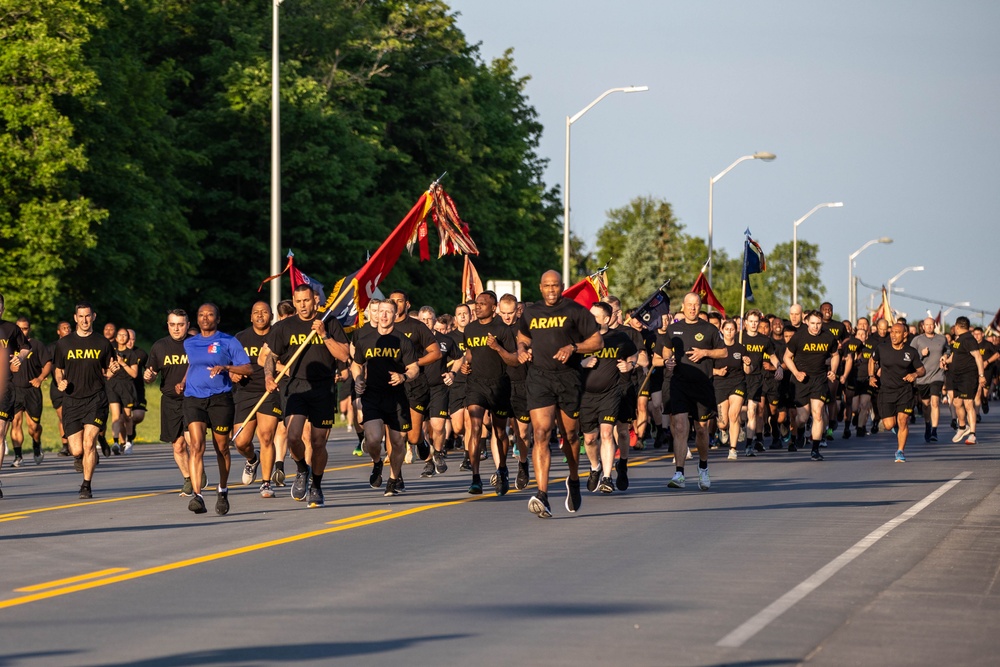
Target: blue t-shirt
{"points": [[203, 354]]}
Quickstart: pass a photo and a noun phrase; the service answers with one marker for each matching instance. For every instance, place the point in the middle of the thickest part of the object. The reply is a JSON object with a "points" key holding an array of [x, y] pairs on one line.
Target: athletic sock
{"points": [[36, 446], [17, 452], [301, 466], [221, 489], [317, 480], [680, 469], [815, 445], [254, 460], [703, 464], [279, 465]]}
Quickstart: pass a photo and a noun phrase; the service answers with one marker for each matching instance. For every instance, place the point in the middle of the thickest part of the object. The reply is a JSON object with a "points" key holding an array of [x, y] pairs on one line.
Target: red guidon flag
{"points": [[584, 293], [704, 290]]}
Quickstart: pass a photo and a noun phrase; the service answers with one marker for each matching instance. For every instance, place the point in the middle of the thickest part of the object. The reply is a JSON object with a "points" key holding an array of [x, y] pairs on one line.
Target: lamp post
{"points": [[852, 305], [960, 304], [795, 246], [888, 285], [275, 163], [766, 157], [569, 121]]}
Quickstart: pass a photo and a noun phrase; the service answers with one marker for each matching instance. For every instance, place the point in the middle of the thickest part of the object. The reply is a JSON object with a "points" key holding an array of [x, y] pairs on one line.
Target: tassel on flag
{"points": [[288, 265], [884, 311], [937, 322], [651, 312], [472, 285], [704, 290]]}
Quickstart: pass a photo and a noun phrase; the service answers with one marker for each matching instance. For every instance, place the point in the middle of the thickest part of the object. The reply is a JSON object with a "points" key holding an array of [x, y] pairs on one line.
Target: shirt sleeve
{"points": [[237, 354], [335, 331]]}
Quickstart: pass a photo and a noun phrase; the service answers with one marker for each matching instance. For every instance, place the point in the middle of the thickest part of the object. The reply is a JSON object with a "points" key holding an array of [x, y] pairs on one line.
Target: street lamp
{"points": [[888, 285], [766, 157], [852, 295], [275, 163], [795, 246], [960, 304], [569, 121]]}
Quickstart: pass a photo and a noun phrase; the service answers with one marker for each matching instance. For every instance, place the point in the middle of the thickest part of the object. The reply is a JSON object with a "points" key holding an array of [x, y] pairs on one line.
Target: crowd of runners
{"points": [[496, 379]]}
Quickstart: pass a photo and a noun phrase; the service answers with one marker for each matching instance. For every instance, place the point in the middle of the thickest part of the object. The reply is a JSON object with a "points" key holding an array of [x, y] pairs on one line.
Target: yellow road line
{"points": [[71, 580], [23, 513], [356, 518]]}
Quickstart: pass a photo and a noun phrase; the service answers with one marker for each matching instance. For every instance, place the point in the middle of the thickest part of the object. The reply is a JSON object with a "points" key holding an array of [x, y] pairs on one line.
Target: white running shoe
{"points": [[128, 448], [704, 483], [961, 433], [732, 454], [677, 481]]}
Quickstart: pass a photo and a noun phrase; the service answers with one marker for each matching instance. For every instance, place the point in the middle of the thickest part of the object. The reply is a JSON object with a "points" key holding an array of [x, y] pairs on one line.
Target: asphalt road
{"points": [[851, 561]]}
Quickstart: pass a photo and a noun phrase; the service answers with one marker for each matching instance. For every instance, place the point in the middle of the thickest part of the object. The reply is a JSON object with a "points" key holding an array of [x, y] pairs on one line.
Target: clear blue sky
{"points": [[891, 107]]}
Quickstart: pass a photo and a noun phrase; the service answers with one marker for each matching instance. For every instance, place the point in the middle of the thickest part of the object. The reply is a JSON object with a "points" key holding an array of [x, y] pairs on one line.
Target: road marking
{"points": [[12, 517], [71, 580], [763, 618], [356, 518], [23, 513]]}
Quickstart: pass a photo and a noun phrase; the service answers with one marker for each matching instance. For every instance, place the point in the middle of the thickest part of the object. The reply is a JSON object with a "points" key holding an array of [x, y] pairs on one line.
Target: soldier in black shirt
{"points": [[83, 361], [730, 380], [13, 350], [898, 367], [759, 348], [965, 362], [692, 345], [553, 333], [27, 394], [121, 390], [63, 329], [309, 392], [382, 361], [633, 409], [168, 360], [489, 350], [437, 405], [605, 377], [455, 382], [813, 359], [507, 309], [863, 391], [990, 356], [139, 409]]}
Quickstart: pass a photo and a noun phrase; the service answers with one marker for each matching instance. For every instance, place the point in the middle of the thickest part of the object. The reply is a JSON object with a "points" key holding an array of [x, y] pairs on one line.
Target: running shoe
{"points": [[197, 505], [861, 431], [390, 488], [573, 498], [494, 479], [621, 467], [187, 490], [466, 464], [128, 448], [408, 459], [358, 451], [265, 490], [116, 449], [677, 481], [750, 451], [400, 484], [732, 454], [961, 433], [476, 488], [539, 504], [1, 491], [440, 467], [900, 457], [65, 450], [829, 433], [927, 432], [17, 462], [521, 480], [704, 481], [278, 477], [847, 432], [606, 485], [204, 478], [792, 447], [222, 503], [934, 437], [39, 457], [593, 479], [105, 448], [300, 486], [689, 455], [776, 443], [316, 498], [85, 492], [504, 482], [971, 440], [375, 479], [428, 470], [815, 455], [954, 424], [250, 471], [758, 445]]}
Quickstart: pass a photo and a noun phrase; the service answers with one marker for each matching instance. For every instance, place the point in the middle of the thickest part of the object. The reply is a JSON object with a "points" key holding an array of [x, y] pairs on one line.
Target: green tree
{"points": [[45, 221]]}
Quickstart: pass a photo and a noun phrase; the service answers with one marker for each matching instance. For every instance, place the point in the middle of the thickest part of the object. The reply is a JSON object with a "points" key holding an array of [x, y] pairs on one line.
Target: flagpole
{"points": [[743, 301]]}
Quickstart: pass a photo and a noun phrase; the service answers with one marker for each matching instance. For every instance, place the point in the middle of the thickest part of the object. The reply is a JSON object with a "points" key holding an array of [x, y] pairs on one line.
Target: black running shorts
{"points": [[815, 387], [895, 402], [29, 401], [245, 401], [597, 409], [390, 408], [493, 395], [216, 411], [172, 424], [693, 393], [926, 391], [418, 395], [561, 389], [315, 401], [627, 405], [725, 388], [437, 406], [519, 402], [965, 385], [80, 412], [755, 386], [122, 393]]}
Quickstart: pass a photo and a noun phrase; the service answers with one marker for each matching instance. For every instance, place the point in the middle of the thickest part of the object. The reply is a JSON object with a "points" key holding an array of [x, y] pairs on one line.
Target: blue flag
{"points": [[753, 262], [650, 313]]}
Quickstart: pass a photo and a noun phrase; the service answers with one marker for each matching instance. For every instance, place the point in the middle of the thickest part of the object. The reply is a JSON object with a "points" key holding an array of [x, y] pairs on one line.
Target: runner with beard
{"points": [[932, 348], [693, 345], [605, 378], [968, 377], [382, 362], [308, 394], [83, 361], [489, 350], [32, 369], [508, 311], [898, 367], [168, 359], [437, 406], [418, 392], [628, 411], [247, 391], [553, 334], [813, 359]]}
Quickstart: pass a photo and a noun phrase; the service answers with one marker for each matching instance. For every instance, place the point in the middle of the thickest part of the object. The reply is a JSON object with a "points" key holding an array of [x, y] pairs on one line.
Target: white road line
{"points": [[763, 618]]}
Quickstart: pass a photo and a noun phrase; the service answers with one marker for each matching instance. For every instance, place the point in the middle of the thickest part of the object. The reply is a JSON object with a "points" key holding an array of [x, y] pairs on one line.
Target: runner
{"points": [[849, 375], [628, 407], [605, 378], [63, 329], [26, 382], [693, 345], [285, 310], [990, 355], [169, 361], [932, 347], [13, 349], [553, 334], [437, 405], [248, 390], [508, 310], [813, 360], [308, 394], [898, 367], [83, 361], [208, 401], [382, 363], [965, 363], [836, 328], [121, 392], [139, 409], [775, 387], [456, 387], [863, 389], [730, 381], [759, 349]]}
